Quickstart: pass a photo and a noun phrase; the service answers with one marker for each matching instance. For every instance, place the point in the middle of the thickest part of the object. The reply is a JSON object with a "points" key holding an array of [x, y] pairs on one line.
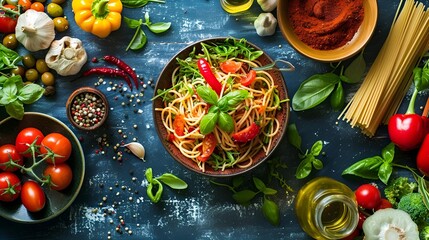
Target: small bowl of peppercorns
{"points": [[87, 108]]}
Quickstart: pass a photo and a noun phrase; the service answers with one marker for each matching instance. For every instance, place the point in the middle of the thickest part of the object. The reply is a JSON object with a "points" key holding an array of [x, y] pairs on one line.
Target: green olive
{"points": [[10, 41], [54, 10], [19, 70], [31, 75], [29, 61], [58, 1], [48, 79], [61, 24], [41, 66]]}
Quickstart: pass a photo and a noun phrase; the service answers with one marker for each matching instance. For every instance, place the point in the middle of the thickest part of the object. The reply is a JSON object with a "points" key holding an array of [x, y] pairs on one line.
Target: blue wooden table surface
{"points": [[203, 211]]}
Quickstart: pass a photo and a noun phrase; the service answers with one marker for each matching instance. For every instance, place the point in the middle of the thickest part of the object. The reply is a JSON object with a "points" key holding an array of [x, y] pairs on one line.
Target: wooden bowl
{"points": [[351, 48], [56, 201], [75, 121], [164, 82]]}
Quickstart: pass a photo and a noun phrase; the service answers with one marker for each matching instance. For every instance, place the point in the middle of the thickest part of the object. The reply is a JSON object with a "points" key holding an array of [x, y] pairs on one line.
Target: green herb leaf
{"points": [[259, 184], [15, 109], [172, 181], [8, 58], [423, 82], [232, 99], [385, 171], [30, 93], [304, 167], [293, 136], [138, 3], [226, 122], [148, 174], [367, 168], [338, 99], [314, 91], [271, 212], [237, 181], [207, 94], [423, 190], [269, 191], [388, 152], [244, 196], [138, 41], [154, 185], [354, 72], [317, 164], [133, 23], [317, 148], [208, 123], [159, 27]]}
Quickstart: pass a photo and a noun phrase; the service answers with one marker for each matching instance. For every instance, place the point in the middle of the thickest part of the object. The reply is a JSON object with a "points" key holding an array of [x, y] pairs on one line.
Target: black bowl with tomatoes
{"points": [[57, 170]]}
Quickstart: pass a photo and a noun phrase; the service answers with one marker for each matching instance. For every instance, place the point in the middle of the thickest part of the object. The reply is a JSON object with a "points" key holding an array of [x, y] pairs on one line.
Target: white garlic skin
{"points": [[137, 149], [35, 30]]}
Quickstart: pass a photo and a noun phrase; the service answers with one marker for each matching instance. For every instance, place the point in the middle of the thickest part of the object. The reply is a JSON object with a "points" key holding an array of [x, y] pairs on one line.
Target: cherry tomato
{"points": [[8, 152], [368, 196], [25, 4], [249, 79], [7, 21], [37, 6], [59, 145], [10, 186], [209, 144], [32, 196], [247, 134], [384, 203], [362, 218], [60, 175], [179, 124], [230, 66], [25, 138]]}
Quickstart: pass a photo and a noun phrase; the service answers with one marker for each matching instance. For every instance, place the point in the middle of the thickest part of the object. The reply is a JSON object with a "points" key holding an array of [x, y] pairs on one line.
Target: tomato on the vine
{"points": [[32, 196], [7, 21], [57, 144], [384, 203], [10, 187], [368, 196], [25, 138], [60, 175], [8, 152]]}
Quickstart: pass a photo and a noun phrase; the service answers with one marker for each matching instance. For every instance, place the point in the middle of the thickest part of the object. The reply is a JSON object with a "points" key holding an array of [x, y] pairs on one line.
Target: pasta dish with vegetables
{"points": [[221, 108]]}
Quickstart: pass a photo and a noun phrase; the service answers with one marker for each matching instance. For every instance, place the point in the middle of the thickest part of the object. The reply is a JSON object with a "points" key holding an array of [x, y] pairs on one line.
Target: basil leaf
{"points": [[138, 41], [293, 136], [244, 196], [226, 122], [354, 72], [304, 167], [366, 168], [259, 184], [172, 181], [148, 174], [269, 191], [8, 58], [213, 109], [384, 172], [232, 99], [338, 99], [30, 93], [138, 3], [207, 94], [271, 211], [15, 109], [388, 152], [159, 27], [237, 181], [154, 185], [208, 123], [314, 91], [133, 23], [317, 164], [423, 84], [317, 148], [9, 92]]}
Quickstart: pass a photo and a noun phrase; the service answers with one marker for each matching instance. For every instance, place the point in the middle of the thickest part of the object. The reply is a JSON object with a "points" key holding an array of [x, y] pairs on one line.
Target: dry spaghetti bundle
{"points": [[390, 76]]}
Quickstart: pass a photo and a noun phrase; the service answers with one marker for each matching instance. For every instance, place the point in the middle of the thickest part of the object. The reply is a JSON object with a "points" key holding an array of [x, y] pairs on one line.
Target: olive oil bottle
{"points": [[326, 209], [235, 6]]}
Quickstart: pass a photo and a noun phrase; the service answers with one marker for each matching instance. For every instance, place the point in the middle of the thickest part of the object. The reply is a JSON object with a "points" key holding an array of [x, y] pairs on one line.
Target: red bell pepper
{"points": [[208, 75], [247, 134], [423, 157]]}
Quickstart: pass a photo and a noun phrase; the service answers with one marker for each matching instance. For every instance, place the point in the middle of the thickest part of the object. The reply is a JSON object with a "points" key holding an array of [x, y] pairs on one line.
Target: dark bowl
{"points": [[164, 82], [56, 201]]}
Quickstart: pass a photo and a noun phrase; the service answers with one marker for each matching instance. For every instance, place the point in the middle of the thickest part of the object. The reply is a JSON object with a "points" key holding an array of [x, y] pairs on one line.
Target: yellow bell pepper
{"points": [[99, 17]]}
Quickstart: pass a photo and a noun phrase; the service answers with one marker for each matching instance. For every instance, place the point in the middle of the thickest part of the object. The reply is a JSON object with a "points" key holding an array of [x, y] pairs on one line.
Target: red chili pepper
{"points": [[247, 134], [209, 145], [423, 157], [124, 66], [208, 75], [110, 72]]}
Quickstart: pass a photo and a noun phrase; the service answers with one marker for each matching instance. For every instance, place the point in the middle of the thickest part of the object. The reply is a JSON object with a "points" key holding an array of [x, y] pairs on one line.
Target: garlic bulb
{"points": [[35, 30], [265, 24], [66, 56], [137, 149], [267, 5]]}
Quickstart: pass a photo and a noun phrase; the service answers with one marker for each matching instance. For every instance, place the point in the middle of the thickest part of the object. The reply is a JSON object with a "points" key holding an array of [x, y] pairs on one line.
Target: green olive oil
{"points": [[235, 6], [326, 209]]}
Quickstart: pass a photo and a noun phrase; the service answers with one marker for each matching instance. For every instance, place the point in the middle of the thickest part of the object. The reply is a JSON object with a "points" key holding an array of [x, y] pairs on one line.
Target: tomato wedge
{"points": [[249, 79], [230, 66], [247, 134], [209, 145], [179, 124]]}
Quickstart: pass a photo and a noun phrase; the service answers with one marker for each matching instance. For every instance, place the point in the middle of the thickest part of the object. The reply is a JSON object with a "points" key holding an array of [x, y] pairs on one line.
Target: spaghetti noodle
{"points": [[260, 106], [389, 78]]}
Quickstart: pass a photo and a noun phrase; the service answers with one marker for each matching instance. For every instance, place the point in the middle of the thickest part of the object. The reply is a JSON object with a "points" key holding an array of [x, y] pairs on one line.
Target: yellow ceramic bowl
{"points": [[361, 37]]}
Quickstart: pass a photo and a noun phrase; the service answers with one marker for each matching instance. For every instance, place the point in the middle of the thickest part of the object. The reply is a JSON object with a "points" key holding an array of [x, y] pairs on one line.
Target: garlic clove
{"points": [[137, 149]]}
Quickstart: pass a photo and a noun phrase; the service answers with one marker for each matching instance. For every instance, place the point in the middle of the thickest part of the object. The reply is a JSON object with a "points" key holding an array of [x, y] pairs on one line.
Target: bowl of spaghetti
{"points": [[219, 108]]}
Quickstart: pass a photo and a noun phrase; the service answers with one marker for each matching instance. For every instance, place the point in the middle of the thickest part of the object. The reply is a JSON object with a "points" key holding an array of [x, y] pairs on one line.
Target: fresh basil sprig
{"points": [[155, 188], [138, 3], [8, 58], [14, 94], [139, 39], [217, 114], [308, 158]]}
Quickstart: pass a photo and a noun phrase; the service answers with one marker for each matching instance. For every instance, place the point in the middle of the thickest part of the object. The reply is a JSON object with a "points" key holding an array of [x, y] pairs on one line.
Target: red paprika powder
{"points": [[325, 24]]}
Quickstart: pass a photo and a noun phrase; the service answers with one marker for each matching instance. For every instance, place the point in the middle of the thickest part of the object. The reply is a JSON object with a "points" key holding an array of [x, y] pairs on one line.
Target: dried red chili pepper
{"points": [[109, 72], [208, 75], [124, 66], [247, 134]]}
